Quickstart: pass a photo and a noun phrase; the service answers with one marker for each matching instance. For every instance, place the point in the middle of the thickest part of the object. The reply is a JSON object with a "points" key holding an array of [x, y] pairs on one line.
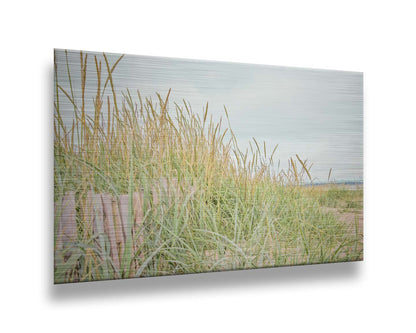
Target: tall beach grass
{"points": [[231, 209]]}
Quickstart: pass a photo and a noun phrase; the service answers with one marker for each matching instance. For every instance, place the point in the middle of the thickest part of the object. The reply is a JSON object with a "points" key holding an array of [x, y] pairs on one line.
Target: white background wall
{"points": [[376, 37]]}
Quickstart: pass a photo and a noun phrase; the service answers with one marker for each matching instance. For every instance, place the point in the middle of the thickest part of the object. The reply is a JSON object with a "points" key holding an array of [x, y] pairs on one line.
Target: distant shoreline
{"points": [[358, 184]]}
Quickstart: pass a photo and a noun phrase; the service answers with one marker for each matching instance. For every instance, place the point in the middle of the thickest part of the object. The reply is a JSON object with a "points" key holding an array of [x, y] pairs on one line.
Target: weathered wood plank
{"points": [[98, 219], [138, 230], [109, 227], [165, 190], [118, 227], [57, 222], [123, 206], [174, 188], [67, 221], [88, 215], [155, 194], [138, 208]]}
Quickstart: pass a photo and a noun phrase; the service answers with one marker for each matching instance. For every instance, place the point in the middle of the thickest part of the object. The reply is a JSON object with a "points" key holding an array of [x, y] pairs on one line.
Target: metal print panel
{"points": [[169, 166]]}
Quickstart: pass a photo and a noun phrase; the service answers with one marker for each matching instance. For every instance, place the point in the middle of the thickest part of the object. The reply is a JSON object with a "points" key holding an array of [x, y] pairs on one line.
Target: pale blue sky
{"points": [[317, 114]]}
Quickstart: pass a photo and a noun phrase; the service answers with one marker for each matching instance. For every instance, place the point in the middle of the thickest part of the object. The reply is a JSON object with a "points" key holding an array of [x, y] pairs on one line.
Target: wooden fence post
{"points": [[109, 227], [88, 214], [118, 228], [98, 219], [138, 209], [67, 231]]}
